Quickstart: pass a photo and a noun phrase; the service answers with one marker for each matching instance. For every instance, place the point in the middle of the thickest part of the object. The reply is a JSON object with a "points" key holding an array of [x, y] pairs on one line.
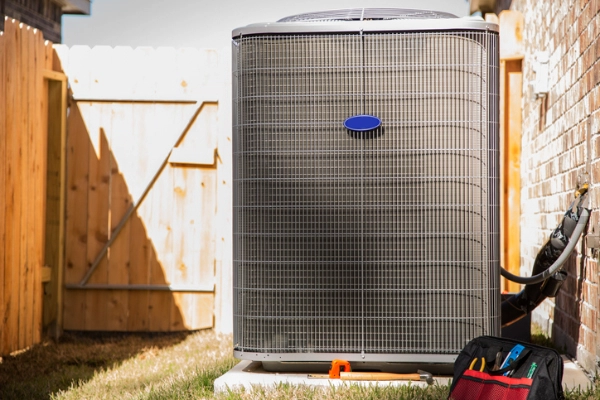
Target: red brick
{"points": [[590, 292], [589, 340], [589, 316], [554, 149], [591, 273]]}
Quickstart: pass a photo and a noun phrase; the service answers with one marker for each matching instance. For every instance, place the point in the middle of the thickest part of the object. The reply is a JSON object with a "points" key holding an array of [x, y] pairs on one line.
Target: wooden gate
{"points": [[141, 212]]}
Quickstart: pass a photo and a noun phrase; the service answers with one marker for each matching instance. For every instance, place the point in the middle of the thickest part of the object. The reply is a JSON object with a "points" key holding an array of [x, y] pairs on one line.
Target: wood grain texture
{"points": [[513, 178], [39, 167], [29, 117], [510, 183], [14, 177], [23, 167], [24, 145], [37, 188], [79, 149], [22, 176], [121, 126], [98, 214], [141, 249], [169, 238], [3, 187], [511, 92], [53, 194]]}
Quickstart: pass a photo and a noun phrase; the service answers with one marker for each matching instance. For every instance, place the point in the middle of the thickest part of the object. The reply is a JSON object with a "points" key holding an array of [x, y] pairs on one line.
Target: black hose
{"points": [[556, 266], [556, 250]]}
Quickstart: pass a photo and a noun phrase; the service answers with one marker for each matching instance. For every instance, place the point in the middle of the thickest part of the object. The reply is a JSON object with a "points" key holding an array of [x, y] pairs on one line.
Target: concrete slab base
{"points": [[250, 373], [573, 376], [247, 374]]}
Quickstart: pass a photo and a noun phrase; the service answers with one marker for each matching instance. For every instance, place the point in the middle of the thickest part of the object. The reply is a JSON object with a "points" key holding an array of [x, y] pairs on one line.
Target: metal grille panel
{"points": [[361, 14], [377, 243]]}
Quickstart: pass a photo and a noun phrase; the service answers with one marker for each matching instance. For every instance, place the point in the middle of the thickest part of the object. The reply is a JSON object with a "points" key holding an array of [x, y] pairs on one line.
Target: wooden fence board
{"points": [[120, 201], [160, 310], [40, 109], [511, 54], [98, 210], [142, 250], [3, 188], [79, 149], [27, 243], [204, 305], [164, 245], [513, 176], [51, 60], [35, 196], [13, 206], [199, 310], [159, 303], [79, 68], [21, 198], [178, 309], [181, 242], [20, 201], [170, 219]]}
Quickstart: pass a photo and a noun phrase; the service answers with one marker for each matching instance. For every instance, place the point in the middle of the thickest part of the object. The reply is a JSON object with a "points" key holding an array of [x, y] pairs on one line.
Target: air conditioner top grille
{"points": [[367, 14], [367, 20]]}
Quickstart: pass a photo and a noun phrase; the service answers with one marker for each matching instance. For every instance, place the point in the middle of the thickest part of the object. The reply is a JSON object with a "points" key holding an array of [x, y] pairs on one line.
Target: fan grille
{"points": [[382, 243], [362, 14]]}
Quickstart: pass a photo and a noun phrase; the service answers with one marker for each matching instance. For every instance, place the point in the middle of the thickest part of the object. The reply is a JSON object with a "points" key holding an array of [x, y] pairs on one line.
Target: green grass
{"points": [[165, 366], [539, 337]]}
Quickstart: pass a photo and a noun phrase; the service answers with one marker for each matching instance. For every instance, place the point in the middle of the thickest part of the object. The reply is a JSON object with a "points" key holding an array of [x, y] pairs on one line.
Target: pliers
{"points": [[474, 363]]}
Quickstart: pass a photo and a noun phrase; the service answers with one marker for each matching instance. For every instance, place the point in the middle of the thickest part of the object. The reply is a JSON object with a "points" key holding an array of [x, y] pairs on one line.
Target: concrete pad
{"points": [[247, 374], [573, 375], [250, 373]]}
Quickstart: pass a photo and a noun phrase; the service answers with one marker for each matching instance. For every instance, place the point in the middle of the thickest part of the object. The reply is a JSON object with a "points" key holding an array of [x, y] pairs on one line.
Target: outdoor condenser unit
{"points": [[366, 187]]}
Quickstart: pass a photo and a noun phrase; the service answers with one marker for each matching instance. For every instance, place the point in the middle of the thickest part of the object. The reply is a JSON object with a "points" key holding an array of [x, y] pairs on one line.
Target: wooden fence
{"points": [[146, 199], [114, 215], [25, 70]]}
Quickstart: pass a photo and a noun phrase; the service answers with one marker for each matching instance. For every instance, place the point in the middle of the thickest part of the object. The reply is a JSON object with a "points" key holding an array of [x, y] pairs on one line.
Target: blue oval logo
{"points": [[362, 123]]}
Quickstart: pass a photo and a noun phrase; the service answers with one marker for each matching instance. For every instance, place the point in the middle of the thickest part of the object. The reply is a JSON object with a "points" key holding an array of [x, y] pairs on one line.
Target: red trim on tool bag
{"points": [[508, 381], [475, 385]]}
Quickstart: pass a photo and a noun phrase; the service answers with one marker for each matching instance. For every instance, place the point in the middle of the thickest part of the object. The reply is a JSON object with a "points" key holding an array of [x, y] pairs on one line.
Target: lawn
{"points": [[161, 366]]}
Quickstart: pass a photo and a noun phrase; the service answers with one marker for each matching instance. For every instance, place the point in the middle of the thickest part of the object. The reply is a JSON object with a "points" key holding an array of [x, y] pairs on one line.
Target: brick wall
{"points": [[44, 15], [561, 141]]}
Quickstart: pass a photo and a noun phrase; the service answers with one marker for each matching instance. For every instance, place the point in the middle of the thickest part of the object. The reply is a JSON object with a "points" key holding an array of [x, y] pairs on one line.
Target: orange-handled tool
{"points": [[340, 369], [338, 366]]}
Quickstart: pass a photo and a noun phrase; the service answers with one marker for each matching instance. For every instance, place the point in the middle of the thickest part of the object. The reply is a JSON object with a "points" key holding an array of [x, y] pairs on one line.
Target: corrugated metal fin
{"points": [[385, 243]]}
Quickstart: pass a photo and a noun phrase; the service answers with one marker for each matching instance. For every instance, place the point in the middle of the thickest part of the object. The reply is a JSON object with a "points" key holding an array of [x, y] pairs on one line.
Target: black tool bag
{"points": [[535, 374]]}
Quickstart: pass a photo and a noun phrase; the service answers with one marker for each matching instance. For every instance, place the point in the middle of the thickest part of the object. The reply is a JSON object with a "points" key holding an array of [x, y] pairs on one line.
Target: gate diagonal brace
{"points": [[134, 206]]}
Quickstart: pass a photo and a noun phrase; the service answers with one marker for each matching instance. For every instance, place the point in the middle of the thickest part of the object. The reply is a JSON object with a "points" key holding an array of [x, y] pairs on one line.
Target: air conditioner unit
{"points": [[366, 187]]}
